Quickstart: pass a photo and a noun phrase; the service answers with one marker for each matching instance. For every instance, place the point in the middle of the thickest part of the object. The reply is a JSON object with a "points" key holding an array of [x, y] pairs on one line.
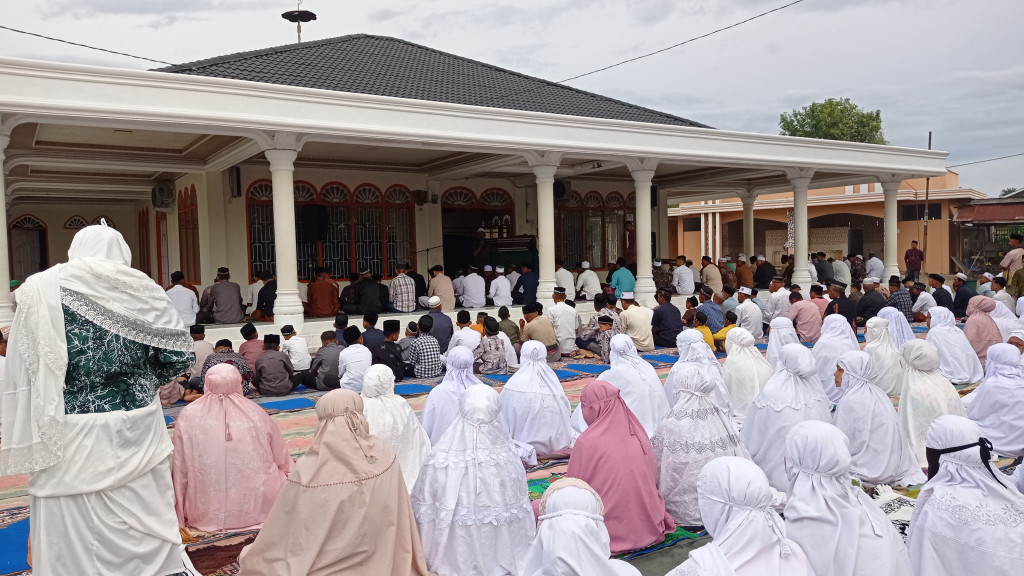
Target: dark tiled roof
{"points": [[386, 66]]}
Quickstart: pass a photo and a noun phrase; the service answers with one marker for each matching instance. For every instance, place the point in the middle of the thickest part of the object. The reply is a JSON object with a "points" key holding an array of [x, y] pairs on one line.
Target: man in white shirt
{"points": [[513, 276], [682, 277], [253, 294], [924, 301], [296, 349], [464, 334], [353, 361], [565, 320], [636, 322], [748, 314], [874, 266], [501, 288], [457, 284], [588, 284], [563, 277], [474, 289], [183, 300], [778, 303]]}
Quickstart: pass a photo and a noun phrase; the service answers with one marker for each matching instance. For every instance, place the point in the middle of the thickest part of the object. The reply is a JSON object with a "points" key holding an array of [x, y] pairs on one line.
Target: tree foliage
{"points": [[834, 119], [1007, 191]]}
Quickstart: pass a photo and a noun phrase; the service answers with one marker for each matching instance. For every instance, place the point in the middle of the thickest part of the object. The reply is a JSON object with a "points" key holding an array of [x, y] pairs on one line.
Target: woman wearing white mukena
{"points": [[92, 342]]}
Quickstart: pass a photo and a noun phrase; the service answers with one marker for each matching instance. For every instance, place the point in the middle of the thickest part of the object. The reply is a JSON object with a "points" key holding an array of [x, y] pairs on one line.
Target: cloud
{"points": [[385, 14], [160, 8]]}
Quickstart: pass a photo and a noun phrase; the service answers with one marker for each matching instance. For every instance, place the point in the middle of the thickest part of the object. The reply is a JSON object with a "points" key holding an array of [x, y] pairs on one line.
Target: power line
{"points": [[988, 160], [84, 45]]}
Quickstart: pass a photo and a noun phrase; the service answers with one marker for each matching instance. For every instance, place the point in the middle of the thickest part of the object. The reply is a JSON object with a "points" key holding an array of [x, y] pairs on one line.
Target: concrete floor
{"points": [[661, 562]]}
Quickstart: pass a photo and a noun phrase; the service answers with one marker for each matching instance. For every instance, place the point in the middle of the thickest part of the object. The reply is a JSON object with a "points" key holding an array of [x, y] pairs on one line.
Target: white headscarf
{"points": [[638, 382], [572, 539], [881, 453], [996, 404], [442, 405], [927, 394], [836, 338], [792, 395], [958, 360], [842, 531], [691, 435], [748, 536], [781, 332], [695, 354], [965, 521], [471, 501], [534, 404], [392, 420], [1005, 319], [898, 325], [745, 370], [886, 355], [1020, 306], [99, 284]]}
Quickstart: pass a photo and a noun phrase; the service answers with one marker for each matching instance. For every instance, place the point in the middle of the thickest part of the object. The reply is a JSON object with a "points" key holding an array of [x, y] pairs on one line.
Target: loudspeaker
{"points": [[315, 222], [235, 181], [562, 189], [162, 196], [654, 196]]}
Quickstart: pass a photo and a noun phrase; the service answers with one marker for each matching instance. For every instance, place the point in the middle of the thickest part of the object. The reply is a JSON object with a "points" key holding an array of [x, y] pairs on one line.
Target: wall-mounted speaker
{"points": [[562, 189], [235, 181], [654, 196]]}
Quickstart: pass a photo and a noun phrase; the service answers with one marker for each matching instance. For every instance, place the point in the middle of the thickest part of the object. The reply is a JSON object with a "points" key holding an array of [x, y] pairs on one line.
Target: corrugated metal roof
{"points": [[991, 213], [384, 66]]}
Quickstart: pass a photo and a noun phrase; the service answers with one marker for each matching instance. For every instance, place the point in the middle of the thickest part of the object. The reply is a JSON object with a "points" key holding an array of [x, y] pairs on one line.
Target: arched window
{"points": [[591, 227], [456, 197], [29, 252], [188, 233], [75, 223], [107, 219]]}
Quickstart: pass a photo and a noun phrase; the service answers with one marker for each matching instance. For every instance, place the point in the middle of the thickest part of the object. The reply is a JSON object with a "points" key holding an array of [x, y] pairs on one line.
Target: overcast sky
{"points": [[953, 67]]}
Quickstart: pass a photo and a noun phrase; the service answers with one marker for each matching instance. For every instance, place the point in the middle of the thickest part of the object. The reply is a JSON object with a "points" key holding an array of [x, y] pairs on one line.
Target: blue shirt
{"points": [[443, 328], [373, 337], [623, 281], [528, 281], [716, 318]]}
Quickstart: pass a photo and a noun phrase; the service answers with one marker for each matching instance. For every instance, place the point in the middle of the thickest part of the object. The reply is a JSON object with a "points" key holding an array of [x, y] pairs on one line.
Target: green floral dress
{"points": [[108, 372]]}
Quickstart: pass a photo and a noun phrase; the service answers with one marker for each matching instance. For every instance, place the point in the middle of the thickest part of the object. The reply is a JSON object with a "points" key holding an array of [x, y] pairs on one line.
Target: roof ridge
{"points": [[260, 52]]}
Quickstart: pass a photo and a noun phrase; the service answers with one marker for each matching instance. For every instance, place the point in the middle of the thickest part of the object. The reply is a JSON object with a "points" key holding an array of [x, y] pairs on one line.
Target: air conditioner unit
{"points": [[163, 196]]}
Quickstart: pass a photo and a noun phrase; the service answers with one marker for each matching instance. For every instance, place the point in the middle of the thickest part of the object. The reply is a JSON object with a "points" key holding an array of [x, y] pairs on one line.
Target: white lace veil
{"points": [[780, 334], [957, 359], [745, 370], [886, 355], [392, 420]]}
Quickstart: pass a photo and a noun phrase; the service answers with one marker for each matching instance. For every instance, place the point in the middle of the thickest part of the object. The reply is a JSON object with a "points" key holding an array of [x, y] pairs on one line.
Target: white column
{"points": [[645, 288], [890, 190], [545, 174], [748, 226], [800, 180], [6, 311], [288, 306]]}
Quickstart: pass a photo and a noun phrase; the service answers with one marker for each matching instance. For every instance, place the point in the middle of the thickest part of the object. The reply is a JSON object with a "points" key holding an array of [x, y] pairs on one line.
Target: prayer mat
{"points": [[589, 368], [860, 338], [719, 355], [412, 389], [919, 329], [290, 404], [761, 346], [663, 358], [217, 550], [538, 486], [14, 547], [168, 420], [670, 540]]}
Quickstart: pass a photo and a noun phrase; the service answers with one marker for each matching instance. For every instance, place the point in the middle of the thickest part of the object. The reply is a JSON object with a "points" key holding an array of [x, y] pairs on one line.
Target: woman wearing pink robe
{"points": [[981, 330], [230, 460], [615, 456]]}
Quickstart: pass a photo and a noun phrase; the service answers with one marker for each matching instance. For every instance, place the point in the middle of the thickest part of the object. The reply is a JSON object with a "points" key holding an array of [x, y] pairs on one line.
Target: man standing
{"points": [[565, 321], [184, 300], [636, 323], [325, 362], [874, 267], [273, 372], [744, 272], [942, 296], [764, 271], [588, 285], [682, 277], [402, 291], [778, 302], [441, 325], [441, 287], [225, 299], [527, 282], [321, 295], [1012, 261], [748, 314], [501, 289], [870, 303], [913, 258], [899, 298], [713, 311], [666, 321], [252, 348], [297, 350], [533, 326], [563, 277], [963, 295], [474, 289], [353, 361], [622, 279], [662, 277], [710, 275], [841, 305]]}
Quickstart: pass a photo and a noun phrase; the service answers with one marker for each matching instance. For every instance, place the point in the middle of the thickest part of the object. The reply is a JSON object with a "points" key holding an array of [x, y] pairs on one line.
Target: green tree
{"points": [[1007, 191], [834, 119]]}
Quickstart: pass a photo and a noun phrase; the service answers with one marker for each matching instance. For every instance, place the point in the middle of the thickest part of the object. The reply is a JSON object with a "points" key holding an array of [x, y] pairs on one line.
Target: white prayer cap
{"points": [[870, 280], [656, 262], [859, 256], [742, 257], [488, 268], [434, 301], [728, 258], [481, 230], [723, 259], [760, 257], [745, 290], [627, 296], [499, 269], [988, 275], [961, 275], [585, 265]]}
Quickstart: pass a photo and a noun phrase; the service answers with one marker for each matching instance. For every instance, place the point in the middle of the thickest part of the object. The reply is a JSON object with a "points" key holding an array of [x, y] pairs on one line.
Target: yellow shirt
{"points": [[707, 336], [720, 335]]}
